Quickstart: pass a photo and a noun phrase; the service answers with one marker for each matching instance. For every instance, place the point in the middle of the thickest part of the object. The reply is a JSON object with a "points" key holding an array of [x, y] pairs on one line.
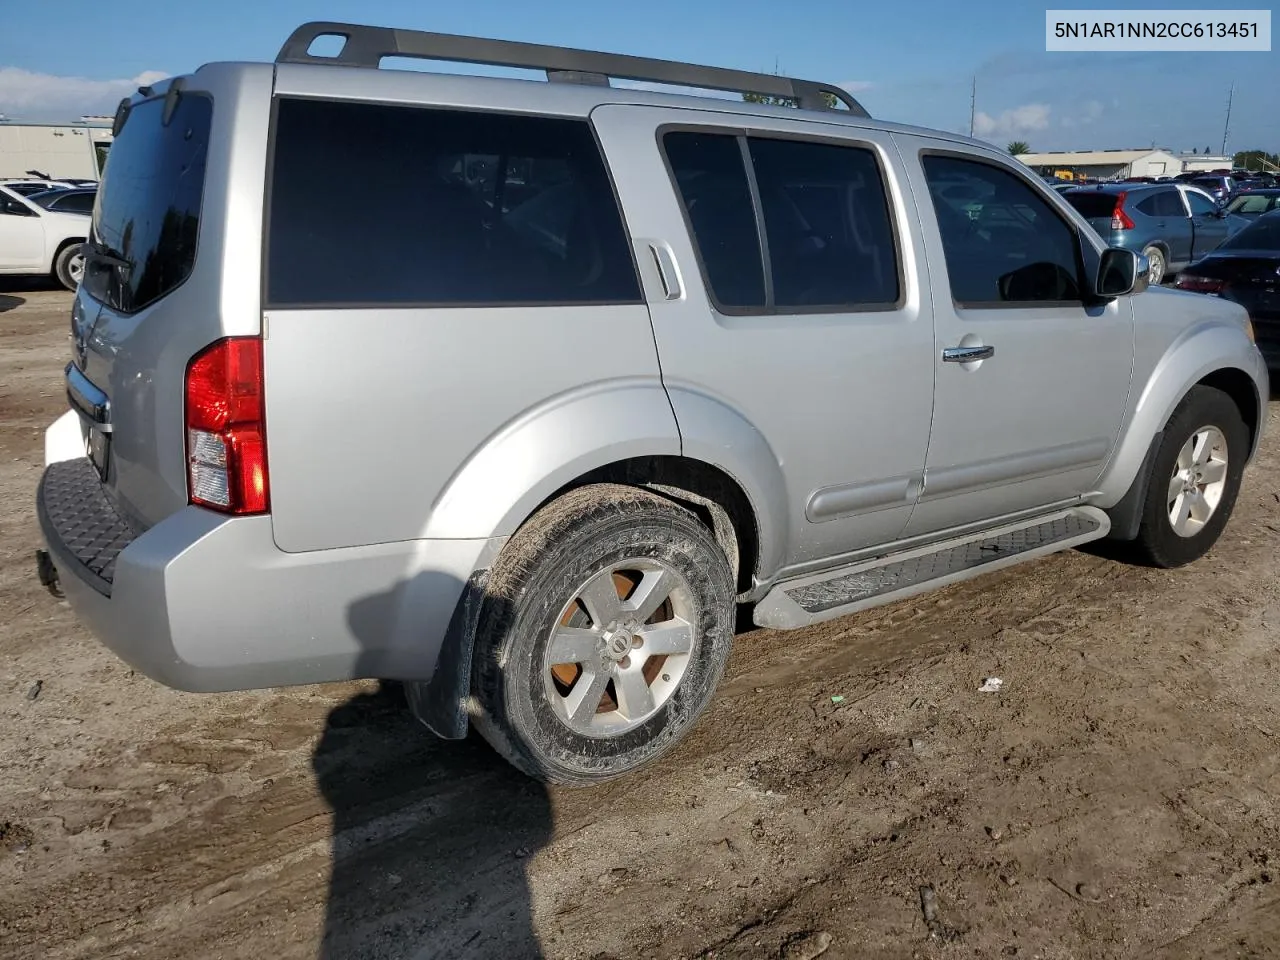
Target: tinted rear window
{"points": [[148, 208], [825, 219], [469, 209], [1092, 206]]}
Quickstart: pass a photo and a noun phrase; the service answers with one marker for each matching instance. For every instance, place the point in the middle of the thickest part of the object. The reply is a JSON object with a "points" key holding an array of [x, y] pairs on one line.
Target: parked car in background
{"points": [[34, 240], [1171, 224], [66, 201], [27, 187], [819, 362], [1221, 188], [1256, 181], [1254, 203], [1246, 270]]}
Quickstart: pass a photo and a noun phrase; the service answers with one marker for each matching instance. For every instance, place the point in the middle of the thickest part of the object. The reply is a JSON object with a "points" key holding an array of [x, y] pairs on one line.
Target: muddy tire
{"points": [[606, 626], [1195, 479], [68, 266]]}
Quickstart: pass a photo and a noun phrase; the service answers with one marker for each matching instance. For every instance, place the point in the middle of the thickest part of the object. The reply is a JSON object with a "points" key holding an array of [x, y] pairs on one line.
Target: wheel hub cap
{"points": [[1198, 482], [620, 648]]}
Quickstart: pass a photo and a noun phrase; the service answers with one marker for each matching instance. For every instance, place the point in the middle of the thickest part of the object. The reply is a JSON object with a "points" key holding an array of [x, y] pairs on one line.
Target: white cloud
{"points": [[44, 95], [1008, 123]]}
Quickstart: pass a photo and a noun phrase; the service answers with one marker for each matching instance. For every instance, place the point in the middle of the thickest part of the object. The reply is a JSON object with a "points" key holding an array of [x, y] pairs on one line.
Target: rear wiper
{"points": [[96, 253]]}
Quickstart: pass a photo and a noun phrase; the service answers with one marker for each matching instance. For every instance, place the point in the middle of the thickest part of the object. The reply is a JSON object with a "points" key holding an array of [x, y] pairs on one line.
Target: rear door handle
{"points": [[667, 272], [967, 354]]}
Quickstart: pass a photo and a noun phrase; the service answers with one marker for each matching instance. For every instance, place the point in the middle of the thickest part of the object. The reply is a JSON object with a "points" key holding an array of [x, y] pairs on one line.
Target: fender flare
{"points": [[1202, 349], [539, 452], [488, 498]]}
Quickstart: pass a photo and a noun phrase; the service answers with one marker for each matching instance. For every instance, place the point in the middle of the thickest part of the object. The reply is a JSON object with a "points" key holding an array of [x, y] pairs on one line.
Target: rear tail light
{"points": [[1196, 284], [1119, 219], [226, 428]]}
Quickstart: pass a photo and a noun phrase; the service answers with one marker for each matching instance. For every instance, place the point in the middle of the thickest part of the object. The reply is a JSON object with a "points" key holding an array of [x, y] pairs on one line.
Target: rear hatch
{"points": [[153, 291]]}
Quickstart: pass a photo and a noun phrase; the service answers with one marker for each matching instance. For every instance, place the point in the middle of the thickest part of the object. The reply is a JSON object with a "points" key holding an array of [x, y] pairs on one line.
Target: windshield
{"points": [[1253, 203], [1262, 234], [147, 214]]}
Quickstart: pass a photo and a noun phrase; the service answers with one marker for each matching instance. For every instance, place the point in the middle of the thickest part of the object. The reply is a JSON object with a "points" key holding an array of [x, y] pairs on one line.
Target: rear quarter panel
{"points": [[398, 424]]}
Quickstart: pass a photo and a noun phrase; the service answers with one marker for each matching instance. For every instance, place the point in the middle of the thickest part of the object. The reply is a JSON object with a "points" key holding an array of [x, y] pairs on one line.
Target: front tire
{"points": [[1195, 479], [68, 266], [606, 625]]}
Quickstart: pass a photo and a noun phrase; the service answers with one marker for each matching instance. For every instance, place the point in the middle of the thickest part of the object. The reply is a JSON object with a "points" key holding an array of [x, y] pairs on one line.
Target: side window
{"points": [[13, 208], [471, 208], [827, 224], [1170, 204], [712, 180], [76, 203], [1003, 243], [1162, 203], [1200, 204]]}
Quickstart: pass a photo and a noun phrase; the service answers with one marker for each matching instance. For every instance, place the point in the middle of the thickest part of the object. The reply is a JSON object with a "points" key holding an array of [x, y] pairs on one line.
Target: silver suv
{"points": [[582, 371]]}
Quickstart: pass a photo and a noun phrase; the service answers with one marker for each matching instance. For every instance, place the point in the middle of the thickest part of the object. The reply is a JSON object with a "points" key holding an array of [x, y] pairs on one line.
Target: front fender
{"points": [[543, 449], [1201, 349]]}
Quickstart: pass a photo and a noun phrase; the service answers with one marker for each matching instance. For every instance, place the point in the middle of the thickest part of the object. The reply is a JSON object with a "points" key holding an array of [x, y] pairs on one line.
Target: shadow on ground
{"points": [[431, 838]]}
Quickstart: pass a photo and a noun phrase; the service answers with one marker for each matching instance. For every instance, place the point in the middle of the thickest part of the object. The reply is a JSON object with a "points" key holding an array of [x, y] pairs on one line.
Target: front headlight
{"points": [[1248, 328]]}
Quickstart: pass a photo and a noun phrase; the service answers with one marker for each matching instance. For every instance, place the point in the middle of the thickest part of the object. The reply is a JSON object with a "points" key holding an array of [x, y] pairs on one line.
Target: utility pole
{"points": [[1226, 127], [973, 99]]}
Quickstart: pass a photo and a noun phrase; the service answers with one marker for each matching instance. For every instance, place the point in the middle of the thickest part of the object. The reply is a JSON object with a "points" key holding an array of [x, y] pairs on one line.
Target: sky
{"points": [[912, 62]]}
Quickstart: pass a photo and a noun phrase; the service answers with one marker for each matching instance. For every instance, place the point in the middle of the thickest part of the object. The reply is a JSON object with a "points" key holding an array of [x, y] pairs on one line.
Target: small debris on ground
{"points": [[991, 685], [1089, 891], [15, 837], [995, 833], [806, 946], [929, 907], [35, 690], [838, 698]]}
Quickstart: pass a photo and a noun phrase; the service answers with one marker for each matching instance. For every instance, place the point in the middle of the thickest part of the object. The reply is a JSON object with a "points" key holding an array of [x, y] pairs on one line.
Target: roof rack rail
{"points": [[365, 46]]}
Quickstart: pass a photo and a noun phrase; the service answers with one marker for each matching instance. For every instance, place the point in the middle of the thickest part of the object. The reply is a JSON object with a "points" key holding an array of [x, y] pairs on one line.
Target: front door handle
{"points": [[967, 354]]}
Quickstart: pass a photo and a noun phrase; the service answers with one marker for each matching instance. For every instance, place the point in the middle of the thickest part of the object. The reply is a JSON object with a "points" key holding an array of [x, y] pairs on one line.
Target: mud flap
{"points": [[441, 703], [1126, 516], [47, 572]]}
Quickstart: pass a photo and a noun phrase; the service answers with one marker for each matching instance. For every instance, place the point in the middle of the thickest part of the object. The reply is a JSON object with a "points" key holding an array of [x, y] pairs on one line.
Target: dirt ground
{"points": [[1120, 797]]}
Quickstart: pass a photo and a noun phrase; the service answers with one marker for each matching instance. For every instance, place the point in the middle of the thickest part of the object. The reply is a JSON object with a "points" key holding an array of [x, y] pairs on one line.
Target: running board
{"points": [[835, 593]]}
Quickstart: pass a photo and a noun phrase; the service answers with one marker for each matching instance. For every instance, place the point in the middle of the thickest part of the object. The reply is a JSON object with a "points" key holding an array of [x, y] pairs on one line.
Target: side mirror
{"points": [[1121, 272]]}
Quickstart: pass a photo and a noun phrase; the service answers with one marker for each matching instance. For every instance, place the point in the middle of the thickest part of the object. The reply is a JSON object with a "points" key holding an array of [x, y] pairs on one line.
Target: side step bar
{"points": [[835, 593]]}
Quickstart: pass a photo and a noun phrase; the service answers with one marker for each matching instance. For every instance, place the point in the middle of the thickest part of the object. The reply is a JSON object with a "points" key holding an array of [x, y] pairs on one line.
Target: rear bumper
{"points": [[204, 602]]}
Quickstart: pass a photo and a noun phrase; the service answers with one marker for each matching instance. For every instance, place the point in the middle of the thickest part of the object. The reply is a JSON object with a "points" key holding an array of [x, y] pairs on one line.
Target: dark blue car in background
{"points": [[1171, 223]]}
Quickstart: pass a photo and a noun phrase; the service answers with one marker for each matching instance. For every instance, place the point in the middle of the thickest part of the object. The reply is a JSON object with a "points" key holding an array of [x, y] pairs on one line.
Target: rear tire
{"points": [[1159, 266], [68, 266], [1195, 479], [570, 700]]}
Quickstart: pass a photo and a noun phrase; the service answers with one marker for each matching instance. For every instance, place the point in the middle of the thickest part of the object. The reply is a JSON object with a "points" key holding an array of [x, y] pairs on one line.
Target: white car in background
{"points": [[36, 241]]}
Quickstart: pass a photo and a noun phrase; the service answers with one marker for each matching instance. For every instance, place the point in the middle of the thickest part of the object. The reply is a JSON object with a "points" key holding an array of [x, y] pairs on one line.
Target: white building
{"points": [[1203, 162], [1105, 164], [57, 150]]}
